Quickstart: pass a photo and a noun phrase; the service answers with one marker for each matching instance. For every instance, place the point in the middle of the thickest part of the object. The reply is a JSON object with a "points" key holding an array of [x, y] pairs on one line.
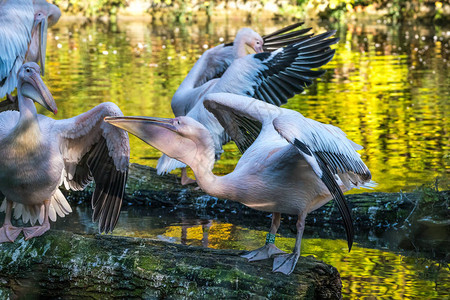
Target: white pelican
{"points": [[273, 77], [38, 154], [23, 37], [294, 166], [214, 62]]}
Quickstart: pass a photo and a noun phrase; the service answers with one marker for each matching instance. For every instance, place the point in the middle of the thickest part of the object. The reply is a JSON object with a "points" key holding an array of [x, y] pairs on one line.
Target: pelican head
{"points": [[30, 85], [45, 15], [181, 138], [249, 41]]}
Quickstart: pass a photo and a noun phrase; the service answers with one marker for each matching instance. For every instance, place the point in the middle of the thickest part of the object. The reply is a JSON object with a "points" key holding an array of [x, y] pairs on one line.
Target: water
{"points": [[374, 268], [388, 88]]}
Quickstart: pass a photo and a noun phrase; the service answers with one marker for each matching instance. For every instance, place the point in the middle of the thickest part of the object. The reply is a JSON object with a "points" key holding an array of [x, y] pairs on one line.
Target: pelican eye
{"points": [[28, 70]]}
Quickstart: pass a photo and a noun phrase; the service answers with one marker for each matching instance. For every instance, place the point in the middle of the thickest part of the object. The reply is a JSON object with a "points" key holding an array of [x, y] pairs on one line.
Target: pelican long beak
{"points": [[35, 89], [157, 132], [43, 23], [139, 126]]}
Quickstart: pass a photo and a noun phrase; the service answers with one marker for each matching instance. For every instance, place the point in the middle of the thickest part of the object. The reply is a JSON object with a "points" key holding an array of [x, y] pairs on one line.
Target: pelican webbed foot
{"points": [[285, 263], [9, 233], [35, 231], [265, 252]]}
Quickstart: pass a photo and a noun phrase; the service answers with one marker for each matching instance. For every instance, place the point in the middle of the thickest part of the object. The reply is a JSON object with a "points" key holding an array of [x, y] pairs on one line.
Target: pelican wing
{"points": [[274, 78], [16, 22], [95, 150], [221, 57], [330, 153], [241, 127], [288, 71], [216, 61], [285, 36]]}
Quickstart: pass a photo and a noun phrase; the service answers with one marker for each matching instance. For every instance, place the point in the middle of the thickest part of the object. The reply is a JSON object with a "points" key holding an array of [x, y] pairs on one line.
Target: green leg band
{"points": [[270, 238]]}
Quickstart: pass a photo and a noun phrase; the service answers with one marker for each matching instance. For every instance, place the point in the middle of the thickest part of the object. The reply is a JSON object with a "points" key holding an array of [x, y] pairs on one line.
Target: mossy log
{"points": [[66, 265], [8, 105]]}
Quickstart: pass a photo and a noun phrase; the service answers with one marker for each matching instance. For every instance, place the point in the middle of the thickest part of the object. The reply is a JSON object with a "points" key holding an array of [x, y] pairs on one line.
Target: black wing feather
{"points": [[288, 72], [331, 184], [107, 198], [242, 130]]}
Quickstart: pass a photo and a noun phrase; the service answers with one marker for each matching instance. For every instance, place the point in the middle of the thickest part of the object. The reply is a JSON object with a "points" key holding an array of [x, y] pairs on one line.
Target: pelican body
{"points": [[294, 166], [39, 154]]}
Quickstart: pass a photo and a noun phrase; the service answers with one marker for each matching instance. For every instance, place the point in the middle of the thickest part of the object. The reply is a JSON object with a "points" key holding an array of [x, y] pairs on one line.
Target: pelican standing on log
{"points": [[23, 37], [294, 166], [39, 154], [273, 77]]}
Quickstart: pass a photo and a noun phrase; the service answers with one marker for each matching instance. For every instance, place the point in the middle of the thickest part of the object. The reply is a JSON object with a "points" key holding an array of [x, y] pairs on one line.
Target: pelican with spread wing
{"points": [[273, 77], [292, 164], [215, 61], [39, 154]]}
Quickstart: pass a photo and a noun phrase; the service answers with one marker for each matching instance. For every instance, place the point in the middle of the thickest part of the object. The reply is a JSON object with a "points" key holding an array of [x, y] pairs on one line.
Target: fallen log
{"points": [[66, 265]]}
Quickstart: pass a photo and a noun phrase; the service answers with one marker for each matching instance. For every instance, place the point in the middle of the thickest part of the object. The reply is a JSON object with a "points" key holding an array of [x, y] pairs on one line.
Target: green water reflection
{"points": [[388, 88]]}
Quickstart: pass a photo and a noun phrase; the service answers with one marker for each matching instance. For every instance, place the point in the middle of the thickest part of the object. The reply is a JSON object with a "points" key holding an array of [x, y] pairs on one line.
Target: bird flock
{"points": [[290, 164]]}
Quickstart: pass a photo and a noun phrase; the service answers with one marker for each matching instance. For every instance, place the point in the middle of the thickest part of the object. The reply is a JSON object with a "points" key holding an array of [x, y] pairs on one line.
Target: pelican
{"points": [[214, 62], [294, 166], [23, 37], [38, 154], [272, 77]]}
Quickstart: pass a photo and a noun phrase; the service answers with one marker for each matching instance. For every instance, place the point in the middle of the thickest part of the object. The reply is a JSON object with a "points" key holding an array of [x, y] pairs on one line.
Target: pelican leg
{"points": [[8, 233], [35, 231], [286, 263], [185, 178], [269, 249]]}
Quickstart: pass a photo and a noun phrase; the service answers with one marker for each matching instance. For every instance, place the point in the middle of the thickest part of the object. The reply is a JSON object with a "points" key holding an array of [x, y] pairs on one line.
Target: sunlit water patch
{"points": [[365, 272], [388, 88]]}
